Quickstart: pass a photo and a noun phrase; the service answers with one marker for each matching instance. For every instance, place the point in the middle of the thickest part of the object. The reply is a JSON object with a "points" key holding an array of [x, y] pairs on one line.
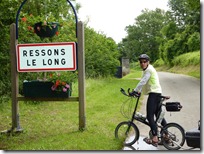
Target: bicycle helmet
{"points": [[144, 56]]}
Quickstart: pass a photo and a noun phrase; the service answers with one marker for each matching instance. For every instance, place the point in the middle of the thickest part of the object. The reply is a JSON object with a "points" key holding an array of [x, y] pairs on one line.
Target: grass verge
{"points": [[193, 70], [54, 125], [188, 64]]}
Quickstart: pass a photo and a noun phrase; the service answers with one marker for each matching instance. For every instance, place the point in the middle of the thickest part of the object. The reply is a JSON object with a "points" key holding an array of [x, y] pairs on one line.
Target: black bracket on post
{"points": [[19, 10]]}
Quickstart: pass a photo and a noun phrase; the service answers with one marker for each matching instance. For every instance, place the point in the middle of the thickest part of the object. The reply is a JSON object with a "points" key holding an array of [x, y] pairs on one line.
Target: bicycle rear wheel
{"points": [[128, 132], [173, 136]]}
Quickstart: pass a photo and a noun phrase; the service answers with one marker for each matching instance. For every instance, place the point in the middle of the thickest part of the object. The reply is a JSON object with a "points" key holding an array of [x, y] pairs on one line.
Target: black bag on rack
{"points": [[173, 106]]}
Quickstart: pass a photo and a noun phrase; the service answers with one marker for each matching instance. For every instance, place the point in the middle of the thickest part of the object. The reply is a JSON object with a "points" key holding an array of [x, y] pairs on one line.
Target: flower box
{"points": [[46, 29], [43, 89]]}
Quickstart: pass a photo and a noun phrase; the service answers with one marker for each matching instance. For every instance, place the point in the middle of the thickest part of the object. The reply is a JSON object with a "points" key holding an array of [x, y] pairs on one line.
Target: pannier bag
{"points": [[173, 106], [193, 138]]}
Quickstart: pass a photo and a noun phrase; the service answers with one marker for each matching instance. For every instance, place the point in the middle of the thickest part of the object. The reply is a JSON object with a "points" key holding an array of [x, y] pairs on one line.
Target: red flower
{"points": [[30, 28], [57, 82], [57, 33], [63, 83], [24, 19]]}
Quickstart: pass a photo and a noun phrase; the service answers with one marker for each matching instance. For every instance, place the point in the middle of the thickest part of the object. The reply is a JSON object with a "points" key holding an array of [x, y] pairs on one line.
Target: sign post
{"points": [[61, 56], [20, 56], [81, 73], [14, 80]]}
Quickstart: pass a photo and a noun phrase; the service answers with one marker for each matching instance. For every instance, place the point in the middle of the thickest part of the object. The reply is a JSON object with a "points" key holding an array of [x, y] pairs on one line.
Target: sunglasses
{"points": [[143, 62]]}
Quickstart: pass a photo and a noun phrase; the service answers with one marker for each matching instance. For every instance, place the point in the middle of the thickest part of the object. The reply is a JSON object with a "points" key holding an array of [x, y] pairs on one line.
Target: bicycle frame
{"points": [[137, 118], [144, 120]]}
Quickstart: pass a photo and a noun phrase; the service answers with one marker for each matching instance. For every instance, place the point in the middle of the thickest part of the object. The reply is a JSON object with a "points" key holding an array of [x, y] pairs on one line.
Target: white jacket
{"points": [[149, 82]]}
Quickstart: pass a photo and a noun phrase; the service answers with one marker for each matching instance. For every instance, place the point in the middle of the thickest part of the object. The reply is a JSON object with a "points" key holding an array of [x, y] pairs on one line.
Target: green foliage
{"points": [[5, 83], [101, 54], [169, 31], [142, 36], [182, 35], [194, 41], [188, 59], [159, 62], [183, 42], [46, 11], [169, 49], [186, 12], [188, 63], [7, 14]]}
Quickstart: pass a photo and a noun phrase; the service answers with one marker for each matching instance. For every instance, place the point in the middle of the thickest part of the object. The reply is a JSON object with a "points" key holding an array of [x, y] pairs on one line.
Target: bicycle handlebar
{"points": [[138, 94], [124, 93]]}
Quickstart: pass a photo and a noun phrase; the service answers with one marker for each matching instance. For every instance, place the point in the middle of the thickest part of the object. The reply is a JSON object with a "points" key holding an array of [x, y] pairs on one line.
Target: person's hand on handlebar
{"points": [[134, 93]]}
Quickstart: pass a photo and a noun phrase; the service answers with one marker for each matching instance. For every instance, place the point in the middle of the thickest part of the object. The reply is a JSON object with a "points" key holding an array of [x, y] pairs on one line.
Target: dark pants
{"points": [[153, 107]]}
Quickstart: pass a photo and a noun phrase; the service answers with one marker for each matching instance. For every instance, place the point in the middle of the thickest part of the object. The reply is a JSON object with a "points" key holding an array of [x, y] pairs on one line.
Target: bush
{"points": [[191, 58], [5, 79], [194, 42], [101, 54], [159, 62]]}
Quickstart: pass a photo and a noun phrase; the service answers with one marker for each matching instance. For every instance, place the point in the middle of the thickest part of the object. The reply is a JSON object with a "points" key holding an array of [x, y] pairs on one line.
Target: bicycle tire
{"points": [[176, 136], [129, 137]]}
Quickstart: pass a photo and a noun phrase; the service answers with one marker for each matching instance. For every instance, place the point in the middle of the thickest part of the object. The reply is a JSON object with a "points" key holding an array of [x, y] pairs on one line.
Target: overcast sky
{"points": [[112, 16]]}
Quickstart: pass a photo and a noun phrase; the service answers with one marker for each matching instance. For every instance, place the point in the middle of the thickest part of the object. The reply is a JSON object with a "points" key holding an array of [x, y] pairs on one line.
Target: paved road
{"points": [[180, 88]]}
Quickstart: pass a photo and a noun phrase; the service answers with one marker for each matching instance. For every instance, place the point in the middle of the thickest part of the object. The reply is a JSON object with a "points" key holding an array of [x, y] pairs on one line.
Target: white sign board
{"points": [[46, 57]]}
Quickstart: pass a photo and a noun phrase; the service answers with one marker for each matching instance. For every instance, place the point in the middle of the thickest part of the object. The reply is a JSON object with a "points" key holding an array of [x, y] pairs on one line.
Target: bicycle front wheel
{"points": [[173, 136], [128, 132]]}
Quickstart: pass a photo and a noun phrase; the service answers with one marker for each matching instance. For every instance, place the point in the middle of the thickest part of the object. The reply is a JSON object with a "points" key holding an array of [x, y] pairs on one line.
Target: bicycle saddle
{"points": [[165, 97]]}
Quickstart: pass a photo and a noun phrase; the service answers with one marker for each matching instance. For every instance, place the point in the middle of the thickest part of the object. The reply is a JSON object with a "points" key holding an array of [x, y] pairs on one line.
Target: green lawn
{"points": [[54, 125]]}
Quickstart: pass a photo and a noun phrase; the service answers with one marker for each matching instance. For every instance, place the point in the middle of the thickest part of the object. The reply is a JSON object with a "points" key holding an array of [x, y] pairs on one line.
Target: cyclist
{"points": [[149, 85]]}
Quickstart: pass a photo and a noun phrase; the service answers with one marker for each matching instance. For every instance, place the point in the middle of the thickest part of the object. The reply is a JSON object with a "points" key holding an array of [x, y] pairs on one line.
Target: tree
{"points": [[142, 35], [194, 42], [186, 12], [101, 54], [7, 13], [182, 33]]}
